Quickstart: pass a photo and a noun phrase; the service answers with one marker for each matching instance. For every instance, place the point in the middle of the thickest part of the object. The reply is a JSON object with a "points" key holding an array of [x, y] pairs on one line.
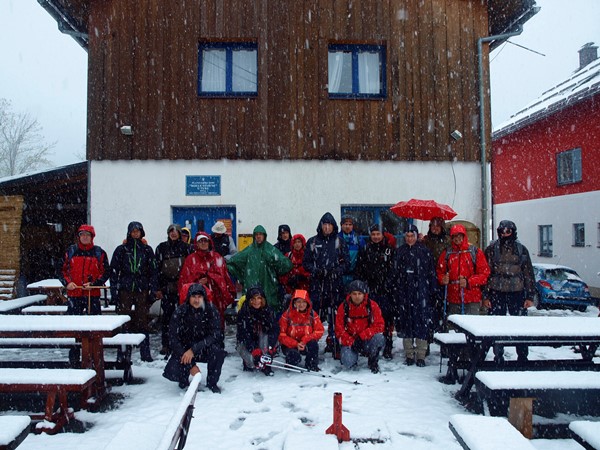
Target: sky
{"points": [[44, 72]]}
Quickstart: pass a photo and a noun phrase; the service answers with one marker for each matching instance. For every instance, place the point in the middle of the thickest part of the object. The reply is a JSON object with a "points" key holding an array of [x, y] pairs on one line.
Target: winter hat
{"points": [[185, 230], [253, 290], [87, 228], [300, 293], [196, 289], [219, 228], [347, 218], [437, 221], [412, 229], [357, 285], [458, 229], [283, 228], [135, 225], [376, 227], [172, 227]]}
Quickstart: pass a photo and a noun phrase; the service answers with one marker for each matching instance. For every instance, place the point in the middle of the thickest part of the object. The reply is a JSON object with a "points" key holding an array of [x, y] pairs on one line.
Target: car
{"points": [[561, 286]]}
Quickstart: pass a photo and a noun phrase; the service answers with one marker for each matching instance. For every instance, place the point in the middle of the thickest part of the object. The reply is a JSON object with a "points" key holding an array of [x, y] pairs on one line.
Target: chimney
{"points": [[587, 54]]}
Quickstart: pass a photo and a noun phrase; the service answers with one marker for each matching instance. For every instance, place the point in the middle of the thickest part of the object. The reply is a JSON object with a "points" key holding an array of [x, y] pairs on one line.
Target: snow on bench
{"points": [[124, 341], [586, 433], [450, 338], [13, 430], [16, 304], [487, 433], [452, 345], [56, 383], [62, 309], [523, 386], [155, 436]]}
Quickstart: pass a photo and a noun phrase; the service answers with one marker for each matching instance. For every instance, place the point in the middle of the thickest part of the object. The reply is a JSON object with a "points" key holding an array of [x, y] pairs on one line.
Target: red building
{"points": [[546, 171]]}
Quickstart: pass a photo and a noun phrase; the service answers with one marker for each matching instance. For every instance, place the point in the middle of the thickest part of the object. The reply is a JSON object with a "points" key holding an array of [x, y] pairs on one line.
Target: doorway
{"points": [[202, 218]]}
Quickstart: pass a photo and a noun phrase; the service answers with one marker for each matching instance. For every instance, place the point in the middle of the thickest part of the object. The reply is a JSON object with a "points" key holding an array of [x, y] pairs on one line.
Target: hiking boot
{"points": [[328, 345], [164, 350], [387, 353], [409, 361], [245, 368], [420, 363], [267, 371], [214, 388], [374, 367], [313, 368]]}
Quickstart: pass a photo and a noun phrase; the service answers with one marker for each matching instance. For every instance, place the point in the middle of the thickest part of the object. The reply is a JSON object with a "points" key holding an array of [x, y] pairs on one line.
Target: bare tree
{"points": [[22, 146]]}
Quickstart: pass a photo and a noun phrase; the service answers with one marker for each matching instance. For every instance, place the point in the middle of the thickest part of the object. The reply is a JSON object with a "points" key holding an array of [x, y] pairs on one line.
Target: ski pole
{"points": [[267, 360]]}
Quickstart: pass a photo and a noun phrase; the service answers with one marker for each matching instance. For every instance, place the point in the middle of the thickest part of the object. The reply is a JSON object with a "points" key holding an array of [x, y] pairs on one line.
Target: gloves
{"points": [[256, 355], [358, 345]]}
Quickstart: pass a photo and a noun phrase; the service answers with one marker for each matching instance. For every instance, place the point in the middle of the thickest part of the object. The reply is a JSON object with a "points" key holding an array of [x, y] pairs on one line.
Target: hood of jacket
{"points": [[134, 225], [327, 218], [300, 293], [459, 229], [89, 229], [258, 229]]}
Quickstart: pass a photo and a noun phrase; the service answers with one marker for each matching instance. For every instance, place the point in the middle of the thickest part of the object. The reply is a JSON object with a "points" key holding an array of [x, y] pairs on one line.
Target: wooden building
{"points": [[373, 89]]}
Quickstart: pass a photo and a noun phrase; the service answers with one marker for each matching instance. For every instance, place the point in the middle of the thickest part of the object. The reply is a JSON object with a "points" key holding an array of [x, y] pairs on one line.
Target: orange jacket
{"points": [[296, 326]]}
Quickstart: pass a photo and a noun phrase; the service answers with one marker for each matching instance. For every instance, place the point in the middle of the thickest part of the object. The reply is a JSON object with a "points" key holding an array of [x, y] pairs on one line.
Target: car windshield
{"points": [[561, 275]]}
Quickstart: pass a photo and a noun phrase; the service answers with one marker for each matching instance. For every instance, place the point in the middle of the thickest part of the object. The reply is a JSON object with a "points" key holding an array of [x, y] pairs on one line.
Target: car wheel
{"points": [[582, 308]]}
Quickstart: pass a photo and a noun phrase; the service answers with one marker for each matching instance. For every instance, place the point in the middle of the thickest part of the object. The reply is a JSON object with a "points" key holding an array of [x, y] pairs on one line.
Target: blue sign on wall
{"points": [[203, 185]]}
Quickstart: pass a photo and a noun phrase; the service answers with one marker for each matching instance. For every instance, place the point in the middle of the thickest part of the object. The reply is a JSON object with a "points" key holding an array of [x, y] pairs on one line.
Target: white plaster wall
{"points": [[560, 212], [269, 192]]}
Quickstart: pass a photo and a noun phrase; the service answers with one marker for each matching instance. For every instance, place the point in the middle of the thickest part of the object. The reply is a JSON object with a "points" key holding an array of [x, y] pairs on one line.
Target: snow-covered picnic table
{"points": [[482, 332], [90, 330], [15, 305]]}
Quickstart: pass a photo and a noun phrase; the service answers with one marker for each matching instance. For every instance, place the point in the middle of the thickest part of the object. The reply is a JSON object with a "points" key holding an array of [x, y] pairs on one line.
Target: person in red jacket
{"points": [[359, 327], [85, 265], [300, 329], [298, 277], [206, 267], [463, 270]]}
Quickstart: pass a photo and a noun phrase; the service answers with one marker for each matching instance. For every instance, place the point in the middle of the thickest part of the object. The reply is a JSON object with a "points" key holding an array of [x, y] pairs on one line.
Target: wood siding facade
{"points": [[143, 72]]}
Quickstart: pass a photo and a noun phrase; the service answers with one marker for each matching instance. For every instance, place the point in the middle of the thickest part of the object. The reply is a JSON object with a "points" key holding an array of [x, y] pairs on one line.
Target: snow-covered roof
{"points": [[583, 84]]}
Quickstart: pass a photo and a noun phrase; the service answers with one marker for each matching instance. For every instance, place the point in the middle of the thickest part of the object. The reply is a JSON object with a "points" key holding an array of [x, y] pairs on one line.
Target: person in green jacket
{"points": [[261, 264]]}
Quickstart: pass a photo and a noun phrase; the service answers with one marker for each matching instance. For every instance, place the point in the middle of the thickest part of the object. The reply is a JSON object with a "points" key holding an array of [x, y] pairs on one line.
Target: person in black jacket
{"points": [[170, 256], [196, 336], [257, 331], [326, 258], [133, 282], [374, 266]]}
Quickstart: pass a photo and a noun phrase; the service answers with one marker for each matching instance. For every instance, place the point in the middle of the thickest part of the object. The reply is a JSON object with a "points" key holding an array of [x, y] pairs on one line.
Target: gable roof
{"points": [[583, 84]]}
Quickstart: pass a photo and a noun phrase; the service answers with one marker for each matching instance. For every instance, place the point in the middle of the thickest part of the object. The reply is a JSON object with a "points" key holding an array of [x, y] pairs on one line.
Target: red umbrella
{"points": [[423, 209]]}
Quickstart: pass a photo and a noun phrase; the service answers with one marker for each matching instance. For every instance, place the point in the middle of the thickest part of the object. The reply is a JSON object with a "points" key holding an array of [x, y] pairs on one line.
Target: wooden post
{"points": [[520, 415], [337, 428]]}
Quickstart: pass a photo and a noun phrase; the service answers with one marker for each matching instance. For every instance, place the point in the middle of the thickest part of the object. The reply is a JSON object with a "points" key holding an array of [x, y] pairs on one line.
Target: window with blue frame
{"points": [[366, 215], [356, 71], [227, 69]]}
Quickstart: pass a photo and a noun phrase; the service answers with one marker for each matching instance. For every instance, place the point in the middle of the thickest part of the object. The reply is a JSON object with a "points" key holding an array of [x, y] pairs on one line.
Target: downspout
{"points": [[482, 134]]}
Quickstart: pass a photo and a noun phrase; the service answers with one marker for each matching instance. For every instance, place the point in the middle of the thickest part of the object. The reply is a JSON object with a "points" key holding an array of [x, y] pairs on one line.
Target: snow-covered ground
{"points": [[402, 407]]}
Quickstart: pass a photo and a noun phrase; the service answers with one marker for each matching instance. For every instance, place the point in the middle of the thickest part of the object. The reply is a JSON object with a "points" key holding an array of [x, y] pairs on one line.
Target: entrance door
{"points": [[202, 218]]}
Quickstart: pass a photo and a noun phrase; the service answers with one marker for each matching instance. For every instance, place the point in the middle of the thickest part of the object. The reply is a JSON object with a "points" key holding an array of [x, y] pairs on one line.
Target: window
{"points": [[579, 235], [568, 164], [227, 69], [356, 71], [545, 232], [367, 215]]}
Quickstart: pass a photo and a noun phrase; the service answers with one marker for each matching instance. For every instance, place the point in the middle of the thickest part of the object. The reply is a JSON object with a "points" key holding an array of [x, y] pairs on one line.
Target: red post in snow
{"points": [[338, 428]]}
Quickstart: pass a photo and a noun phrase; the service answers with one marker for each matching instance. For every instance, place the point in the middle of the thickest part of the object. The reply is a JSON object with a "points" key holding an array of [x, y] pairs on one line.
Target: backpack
{"points": [[520, 251], [472, 250], [97, 252], [369, 313]]}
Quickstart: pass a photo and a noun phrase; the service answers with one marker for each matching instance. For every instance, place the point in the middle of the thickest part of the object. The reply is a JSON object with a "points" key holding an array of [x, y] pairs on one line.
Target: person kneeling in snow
{"points": [[257, 332], [300, 330], [359, 327], [195, 336]]}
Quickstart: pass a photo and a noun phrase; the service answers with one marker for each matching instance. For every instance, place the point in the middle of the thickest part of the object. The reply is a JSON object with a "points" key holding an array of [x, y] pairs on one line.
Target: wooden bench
{"points": [[452, 345], [522, 387], [487, 433], [56, 384], [586, 433], [122, 341], [159, 437], [15, 305], [13, 431]]}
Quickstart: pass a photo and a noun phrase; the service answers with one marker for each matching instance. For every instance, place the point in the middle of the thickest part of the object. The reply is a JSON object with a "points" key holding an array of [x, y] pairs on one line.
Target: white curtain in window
{"points": [[213, 71], [335, 65], [244, 71], [368, 73]]}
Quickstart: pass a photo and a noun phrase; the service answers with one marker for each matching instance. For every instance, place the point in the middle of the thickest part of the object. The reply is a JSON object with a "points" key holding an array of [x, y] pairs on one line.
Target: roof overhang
{"points": [[71, 17], [506, 16]]}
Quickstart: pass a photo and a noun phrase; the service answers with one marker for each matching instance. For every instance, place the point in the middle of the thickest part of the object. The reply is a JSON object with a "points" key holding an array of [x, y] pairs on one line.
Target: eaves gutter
{"points": [[66, 23]]}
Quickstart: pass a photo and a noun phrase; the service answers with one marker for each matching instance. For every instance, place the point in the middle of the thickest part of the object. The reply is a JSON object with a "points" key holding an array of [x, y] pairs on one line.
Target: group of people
{"points": [[362, 288]]}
